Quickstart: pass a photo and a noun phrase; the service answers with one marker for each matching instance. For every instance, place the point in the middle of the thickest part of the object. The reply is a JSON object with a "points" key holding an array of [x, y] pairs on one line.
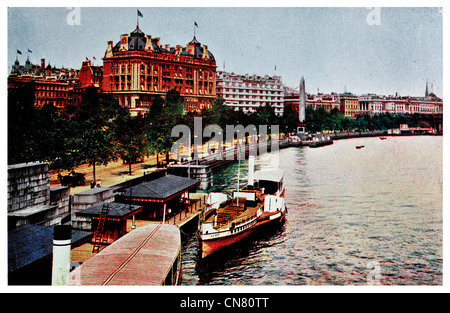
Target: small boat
{"points": [[229, 219], [383, 138], [359, 147]]}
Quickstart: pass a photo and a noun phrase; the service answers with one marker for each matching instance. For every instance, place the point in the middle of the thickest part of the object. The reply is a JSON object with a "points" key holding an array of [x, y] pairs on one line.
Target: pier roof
{"points": [[116, 210], [161, 189]]}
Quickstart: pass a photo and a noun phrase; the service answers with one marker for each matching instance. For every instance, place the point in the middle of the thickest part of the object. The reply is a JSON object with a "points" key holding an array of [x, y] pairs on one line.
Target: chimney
{"points": [[109, 49], [148, 44], [178, 50], [62, 239], [123, 42]]}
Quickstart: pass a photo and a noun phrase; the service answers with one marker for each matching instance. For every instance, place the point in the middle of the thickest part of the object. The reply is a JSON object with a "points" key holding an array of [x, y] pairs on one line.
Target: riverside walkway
{"points": [[109, 175], [118, 172]]}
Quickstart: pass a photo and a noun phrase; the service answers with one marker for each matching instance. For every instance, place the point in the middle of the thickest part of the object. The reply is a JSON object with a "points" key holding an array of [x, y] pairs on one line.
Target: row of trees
{"points": [[321, 119], [100, 130], [96, 132]]}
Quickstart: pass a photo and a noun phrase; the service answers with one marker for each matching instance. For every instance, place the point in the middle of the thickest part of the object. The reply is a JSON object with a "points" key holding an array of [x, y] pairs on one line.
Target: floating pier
{"points": [[148, 255]]}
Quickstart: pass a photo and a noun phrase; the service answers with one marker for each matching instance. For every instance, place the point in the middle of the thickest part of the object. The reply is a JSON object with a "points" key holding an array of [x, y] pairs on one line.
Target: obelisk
{"points": [[302, 101]]}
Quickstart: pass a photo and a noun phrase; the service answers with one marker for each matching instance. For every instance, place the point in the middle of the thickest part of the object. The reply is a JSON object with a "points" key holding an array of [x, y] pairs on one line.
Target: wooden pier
{"points": [[148, 255]]}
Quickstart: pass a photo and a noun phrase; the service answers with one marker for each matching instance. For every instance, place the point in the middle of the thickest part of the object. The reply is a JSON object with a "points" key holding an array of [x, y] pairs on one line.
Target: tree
{"points": [[219, 113], [131, 139], [22, 142], [265, 115], [157, 106], [289, 121], [57, 139], [336, 117], [313, 123], [95, 119], [159, 126]]}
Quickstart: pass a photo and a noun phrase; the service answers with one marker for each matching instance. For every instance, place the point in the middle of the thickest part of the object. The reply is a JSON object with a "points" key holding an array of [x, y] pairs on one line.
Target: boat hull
{"points": [[213, 245]]}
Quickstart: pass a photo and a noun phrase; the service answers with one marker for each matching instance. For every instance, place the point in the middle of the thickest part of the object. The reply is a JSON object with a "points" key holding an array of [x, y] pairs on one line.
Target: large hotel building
{"points": [[249, 92], [138, 68]]}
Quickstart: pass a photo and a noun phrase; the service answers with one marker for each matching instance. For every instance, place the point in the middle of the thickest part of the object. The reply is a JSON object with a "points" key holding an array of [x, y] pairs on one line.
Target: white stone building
{"points": [[249, 92]]}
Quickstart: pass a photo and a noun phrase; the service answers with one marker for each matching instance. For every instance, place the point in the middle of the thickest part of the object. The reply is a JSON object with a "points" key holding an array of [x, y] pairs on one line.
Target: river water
{"points": [[369, 216]]}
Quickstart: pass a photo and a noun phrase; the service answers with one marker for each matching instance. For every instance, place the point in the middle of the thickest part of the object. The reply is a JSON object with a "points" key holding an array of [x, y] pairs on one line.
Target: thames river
{"points": [[369, 216]]}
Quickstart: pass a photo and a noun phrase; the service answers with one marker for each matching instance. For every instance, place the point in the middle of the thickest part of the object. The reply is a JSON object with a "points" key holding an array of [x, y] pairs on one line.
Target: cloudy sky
{"points": [[362, 50]]}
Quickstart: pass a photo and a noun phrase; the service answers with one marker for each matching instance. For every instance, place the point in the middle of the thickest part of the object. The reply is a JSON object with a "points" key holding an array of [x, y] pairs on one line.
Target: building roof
{"points": [[161, 189], [116, 210], [30, 243], [137, 40], [142, 257]]}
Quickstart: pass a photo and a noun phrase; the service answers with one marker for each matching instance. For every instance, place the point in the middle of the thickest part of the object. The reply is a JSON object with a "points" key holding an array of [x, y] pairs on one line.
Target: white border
{"points": [[219, 289]]}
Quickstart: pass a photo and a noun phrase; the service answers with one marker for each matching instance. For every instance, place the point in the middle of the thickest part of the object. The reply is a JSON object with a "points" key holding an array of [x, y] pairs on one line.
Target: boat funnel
{"points": [[62, 237], [251, 170]]}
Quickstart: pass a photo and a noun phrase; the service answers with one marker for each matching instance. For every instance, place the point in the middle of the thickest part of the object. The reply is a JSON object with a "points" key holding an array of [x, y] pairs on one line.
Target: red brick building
{"points": [[138, 68], [88, 76], [48, 90], [57, 86]]}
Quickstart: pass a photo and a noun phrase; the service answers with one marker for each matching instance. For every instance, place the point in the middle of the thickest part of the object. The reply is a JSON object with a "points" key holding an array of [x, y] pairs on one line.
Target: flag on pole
{"points": [[195, 26], [19, 52], [139, 13], [30, 51]]}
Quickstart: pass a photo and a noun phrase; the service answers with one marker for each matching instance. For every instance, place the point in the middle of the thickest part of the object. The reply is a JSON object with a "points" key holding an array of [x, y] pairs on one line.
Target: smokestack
{"points": [[62, 238], [251, 170]]}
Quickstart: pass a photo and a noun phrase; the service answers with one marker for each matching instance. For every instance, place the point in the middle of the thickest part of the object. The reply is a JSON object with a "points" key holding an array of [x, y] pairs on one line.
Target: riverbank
{"points": [[331, 136], [118, 172]]}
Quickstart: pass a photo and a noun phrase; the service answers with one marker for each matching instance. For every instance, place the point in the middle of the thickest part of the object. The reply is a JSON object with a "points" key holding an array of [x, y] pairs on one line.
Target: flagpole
{"points": [[138, 13], [195, 25]]}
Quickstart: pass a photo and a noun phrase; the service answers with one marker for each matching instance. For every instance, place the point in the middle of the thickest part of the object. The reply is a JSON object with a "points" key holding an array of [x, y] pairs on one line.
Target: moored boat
{"points": [[229, 219], [320, 140]]}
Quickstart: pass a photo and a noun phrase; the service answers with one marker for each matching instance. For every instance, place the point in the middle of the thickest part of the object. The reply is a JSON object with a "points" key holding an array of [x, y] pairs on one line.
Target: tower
{"points": [[302, 101], [426, 90]]}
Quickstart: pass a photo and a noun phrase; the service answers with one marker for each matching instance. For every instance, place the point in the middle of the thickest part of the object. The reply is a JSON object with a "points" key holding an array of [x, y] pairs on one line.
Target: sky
{"points": [[385, 50]]}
